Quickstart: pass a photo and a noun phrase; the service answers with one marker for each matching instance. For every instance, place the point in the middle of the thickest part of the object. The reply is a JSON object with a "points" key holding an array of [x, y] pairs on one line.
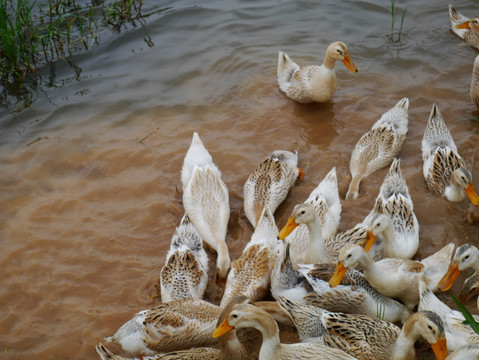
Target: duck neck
{"points": [[329, 62], [454, 192], [316, 243], [231, 347], [270, 331], [403, 348], [388, 235]]}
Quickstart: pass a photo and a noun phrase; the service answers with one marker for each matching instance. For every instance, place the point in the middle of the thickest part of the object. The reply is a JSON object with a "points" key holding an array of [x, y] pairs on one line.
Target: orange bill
{"points": [[224, 328], [440, 349], [370, 238], [301, 176], [288, 228], [338, 274], [448, 279], [464, 25], [472, 195], [349, 63]]}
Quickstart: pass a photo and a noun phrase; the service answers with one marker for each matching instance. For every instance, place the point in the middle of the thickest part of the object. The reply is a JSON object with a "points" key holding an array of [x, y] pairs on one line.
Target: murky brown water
{"points": [[91, 172]]}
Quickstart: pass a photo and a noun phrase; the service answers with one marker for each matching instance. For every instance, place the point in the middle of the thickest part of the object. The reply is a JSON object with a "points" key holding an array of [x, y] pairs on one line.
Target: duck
{"points": [[175, 325], [230, 348], [394, 217], [445, 171], [185, 273], [467, 29], [474, 90], [206, 201], [392, 277], [250, 316], [365, 337], [269, 183], [465, 257], [458, 334], [353, 296], [313, 83], [379, 146], [250, 274], [469, 352], [470, 289]]}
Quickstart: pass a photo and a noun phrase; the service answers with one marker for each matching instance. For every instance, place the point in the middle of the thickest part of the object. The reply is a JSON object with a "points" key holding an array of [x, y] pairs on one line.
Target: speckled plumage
{"points": [[474, 89], [362, 336], [312, 83], [244, 316], [269, 183], [176, 325], [206, 200], [378, 147], [469, 34], [185, 273], [394, 216], [445, 171], [354, 296], [250, 274]]}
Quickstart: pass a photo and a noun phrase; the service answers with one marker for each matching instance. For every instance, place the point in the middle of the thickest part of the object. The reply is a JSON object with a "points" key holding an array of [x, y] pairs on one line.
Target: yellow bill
{"points": [[472, 195], [370, 238], [224, 328], [288, 228], [448, 279], [464, 25], [338, 274], [349, 64], [440, 349]]}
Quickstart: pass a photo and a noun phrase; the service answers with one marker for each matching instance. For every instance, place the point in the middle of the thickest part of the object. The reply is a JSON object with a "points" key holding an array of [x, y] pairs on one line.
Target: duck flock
{"points": [[351, 295]]}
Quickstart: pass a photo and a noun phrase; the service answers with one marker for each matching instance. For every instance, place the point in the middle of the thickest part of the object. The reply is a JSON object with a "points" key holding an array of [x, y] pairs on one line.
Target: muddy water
{"points": [[91, 189]]}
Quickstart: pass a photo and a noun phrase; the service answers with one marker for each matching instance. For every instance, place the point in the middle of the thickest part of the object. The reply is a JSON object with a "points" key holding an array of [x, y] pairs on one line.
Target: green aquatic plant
{"points": [[394, 11], [467, 315]]}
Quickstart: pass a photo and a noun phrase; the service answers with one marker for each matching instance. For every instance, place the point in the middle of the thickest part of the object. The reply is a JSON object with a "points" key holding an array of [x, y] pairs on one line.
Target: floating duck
{"points": [[379, 146], [313, 83], [445, 171], [467, 29]]}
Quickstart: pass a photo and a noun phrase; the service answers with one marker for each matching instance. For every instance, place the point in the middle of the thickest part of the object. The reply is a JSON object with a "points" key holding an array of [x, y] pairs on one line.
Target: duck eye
{"points": [[235, 316], [340, 52], [349, 255], [466, 257], [429, 327], [303, 212]]}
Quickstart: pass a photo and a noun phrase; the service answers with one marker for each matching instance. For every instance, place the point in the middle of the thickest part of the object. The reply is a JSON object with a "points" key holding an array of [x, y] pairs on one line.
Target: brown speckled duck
{"points": [[467, 29]]}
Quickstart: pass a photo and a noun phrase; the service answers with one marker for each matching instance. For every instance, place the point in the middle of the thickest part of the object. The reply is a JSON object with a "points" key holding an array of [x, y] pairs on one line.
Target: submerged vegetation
{"points": [[37, 32]]}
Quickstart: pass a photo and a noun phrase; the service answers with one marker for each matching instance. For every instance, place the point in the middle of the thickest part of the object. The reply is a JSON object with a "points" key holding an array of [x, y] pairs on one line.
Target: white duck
{"points": [[378, 147], [465, 257], [312, 83], [394, 217], [269, 183], [185, 273], [246, 316], [465, 28], [474, 89], [392, 277], [445, 171], [206, 201], [250, 274], [458, 334]]}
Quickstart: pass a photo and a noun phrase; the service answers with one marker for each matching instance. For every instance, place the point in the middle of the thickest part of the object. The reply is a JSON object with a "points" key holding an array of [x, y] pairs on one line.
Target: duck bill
{"points": [[300, 174], [448, 279], [338, 275], [224, 328], [464, 25], [288, 228], [440, 349], [349, 64], [472, 195], [370, 238]]}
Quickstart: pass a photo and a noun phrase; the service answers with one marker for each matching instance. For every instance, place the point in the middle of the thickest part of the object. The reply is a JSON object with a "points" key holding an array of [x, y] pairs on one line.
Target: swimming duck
{"points": [[324, 219], [465, 28], [458, 334], [246, 316], [230, 348], [269, 183], [394, 217], [185, 273], [206, 201], [466, 256], [250, 274], [379, 146], [365, 337], [392, 277], [353, 296], [474, 90], [175, 325], [445, 171], [312, 83]]}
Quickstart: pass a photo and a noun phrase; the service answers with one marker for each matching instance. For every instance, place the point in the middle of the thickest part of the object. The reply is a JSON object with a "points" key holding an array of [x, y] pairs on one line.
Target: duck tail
{"points": [[286, 69]]}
